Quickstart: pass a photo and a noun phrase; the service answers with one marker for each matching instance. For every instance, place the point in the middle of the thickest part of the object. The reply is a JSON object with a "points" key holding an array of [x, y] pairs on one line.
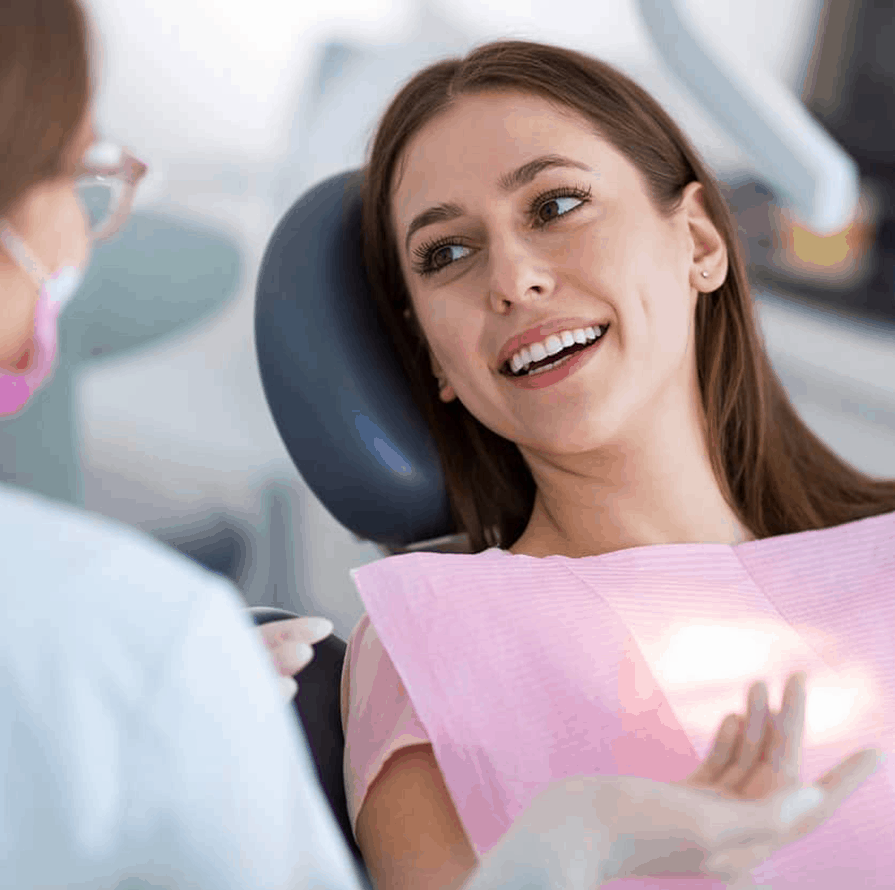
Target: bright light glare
{"points": [[696, 654], [830, 708], [705, 671]]}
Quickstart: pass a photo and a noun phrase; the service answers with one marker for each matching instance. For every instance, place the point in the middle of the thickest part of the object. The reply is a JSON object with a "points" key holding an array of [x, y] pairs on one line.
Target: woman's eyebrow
{"points": [[508, 182], [436, 214]]}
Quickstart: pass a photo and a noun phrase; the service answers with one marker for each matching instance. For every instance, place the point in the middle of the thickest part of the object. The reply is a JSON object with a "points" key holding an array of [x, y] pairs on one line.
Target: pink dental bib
{"points": [[525, 670]]}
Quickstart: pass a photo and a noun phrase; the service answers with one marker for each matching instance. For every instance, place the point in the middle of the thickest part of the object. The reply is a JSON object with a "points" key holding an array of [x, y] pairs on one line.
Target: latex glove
{"points": [[289, 644], [583, 831], [760, 754], [758, 758], [753, 801]]}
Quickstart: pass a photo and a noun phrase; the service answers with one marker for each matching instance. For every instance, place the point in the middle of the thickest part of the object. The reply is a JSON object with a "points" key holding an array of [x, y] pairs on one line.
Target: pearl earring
{"points": [[705, 274]]}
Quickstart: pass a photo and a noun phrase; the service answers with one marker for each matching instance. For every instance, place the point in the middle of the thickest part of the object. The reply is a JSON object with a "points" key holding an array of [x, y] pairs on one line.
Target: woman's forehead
{"points": [[501, 121], [483, 137]]}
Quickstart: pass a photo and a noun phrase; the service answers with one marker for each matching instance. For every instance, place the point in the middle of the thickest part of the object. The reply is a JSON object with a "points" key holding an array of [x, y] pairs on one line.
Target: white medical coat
{"points": [[143, 740]]}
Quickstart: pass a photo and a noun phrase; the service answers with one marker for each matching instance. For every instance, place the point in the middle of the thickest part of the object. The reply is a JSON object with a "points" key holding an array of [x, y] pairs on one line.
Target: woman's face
{"points": [[52, 223], [515, 222]]}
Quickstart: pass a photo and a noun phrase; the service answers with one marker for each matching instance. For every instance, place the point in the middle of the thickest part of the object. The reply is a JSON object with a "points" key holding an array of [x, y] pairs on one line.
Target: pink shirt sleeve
{"points": [[377, 714]]}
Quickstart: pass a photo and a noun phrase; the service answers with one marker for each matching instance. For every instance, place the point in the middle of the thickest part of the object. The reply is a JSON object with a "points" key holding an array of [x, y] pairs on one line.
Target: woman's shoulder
{"points": [[362, 633], [368, 672]]}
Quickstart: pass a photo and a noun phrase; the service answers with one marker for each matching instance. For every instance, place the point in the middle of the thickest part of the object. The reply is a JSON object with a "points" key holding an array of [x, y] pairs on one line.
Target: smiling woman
{"points": [[562, 280], [532, 160]]}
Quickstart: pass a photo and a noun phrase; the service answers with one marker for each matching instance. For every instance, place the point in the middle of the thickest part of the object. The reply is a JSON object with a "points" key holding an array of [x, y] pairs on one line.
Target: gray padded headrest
{"points": [[337, 392]]}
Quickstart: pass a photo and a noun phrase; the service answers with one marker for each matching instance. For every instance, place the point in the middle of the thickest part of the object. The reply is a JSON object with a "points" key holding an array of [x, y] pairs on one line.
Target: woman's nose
{"points": [[517, 274]]}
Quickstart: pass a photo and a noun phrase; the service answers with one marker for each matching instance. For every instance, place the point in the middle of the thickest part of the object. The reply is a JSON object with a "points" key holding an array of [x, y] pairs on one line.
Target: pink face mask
{"points": [[55, 291]]}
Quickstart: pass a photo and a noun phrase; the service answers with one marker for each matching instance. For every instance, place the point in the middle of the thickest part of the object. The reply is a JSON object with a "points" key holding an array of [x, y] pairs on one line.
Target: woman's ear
{"points": [[445, 390], [709, 260]]}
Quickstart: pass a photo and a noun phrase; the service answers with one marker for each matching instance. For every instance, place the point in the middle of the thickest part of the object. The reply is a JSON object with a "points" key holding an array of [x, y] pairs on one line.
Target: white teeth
{"points": [[545, 368], [538, 353], [553, 344]]}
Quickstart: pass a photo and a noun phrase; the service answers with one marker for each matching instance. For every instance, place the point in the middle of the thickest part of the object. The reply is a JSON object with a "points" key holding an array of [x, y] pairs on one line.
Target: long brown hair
{"points": [[45, 90], [773, 471]]}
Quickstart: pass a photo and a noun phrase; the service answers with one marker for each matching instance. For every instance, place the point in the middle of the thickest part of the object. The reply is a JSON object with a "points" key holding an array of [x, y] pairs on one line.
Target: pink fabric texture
{"points": [[523, 670]]}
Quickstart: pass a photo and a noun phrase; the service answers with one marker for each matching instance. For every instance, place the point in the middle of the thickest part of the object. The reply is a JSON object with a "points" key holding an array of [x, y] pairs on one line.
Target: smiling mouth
{"points": [[553, 360]]}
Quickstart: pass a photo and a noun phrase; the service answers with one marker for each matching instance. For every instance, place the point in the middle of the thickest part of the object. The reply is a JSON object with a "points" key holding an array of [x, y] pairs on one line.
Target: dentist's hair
{"points": [[774, 472], [45, 91]]}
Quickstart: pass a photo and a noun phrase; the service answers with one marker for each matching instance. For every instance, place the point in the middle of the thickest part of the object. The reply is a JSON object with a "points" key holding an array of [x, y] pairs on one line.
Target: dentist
{"points": [[142, 729]]}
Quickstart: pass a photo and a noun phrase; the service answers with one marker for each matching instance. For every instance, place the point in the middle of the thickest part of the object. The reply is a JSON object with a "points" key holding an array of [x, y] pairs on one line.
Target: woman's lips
{"points": [[564, 368], [541, 332]]}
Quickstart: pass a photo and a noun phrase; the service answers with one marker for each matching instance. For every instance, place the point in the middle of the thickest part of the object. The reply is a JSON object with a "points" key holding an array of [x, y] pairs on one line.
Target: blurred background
{"points": [[157, 416]]}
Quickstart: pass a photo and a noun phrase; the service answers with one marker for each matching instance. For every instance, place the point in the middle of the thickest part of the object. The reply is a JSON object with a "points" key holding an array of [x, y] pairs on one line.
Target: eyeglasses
{"points": [[107, 181]]}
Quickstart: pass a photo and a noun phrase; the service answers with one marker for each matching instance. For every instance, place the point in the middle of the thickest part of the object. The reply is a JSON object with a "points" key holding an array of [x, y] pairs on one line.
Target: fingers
{"points": [[288, 687], [789, 726], [314, 629], [289, 642], [846, 776], [838, 784], [751, 740], [310, 629], [290, 658], [303, 656], [722, 754], [770, 745]]}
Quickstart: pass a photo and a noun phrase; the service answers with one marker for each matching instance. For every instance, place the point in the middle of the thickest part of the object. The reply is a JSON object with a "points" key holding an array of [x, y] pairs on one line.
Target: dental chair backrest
{"points": [[339, 398]]}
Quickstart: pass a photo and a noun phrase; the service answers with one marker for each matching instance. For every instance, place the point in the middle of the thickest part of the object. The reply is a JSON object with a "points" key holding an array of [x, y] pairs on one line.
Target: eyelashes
{"points": [[426, 252]]}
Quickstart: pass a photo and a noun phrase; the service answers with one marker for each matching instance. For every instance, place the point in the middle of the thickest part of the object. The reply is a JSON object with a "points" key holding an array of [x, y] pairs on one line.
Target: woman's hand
{"points": [[289, 644]]}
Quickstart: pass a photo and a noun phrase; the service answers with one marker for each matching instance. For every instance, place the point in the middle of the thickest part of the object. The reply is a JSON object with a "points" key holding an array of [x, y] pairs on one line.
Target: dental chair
{"points": [[342, 405]]}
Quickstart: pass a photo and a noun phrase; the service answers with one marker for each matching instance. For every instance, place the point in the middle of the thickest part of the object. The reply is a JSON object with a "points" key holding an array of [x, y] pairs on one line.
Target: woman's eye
{"points": [[445, 255], [433, 256], [555, 207]]}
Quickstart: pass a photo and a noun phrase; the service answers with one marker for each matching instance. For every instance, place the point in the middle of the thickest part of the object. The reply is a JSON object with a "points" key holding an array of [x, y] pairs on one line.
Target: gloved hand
{"points": [[758, 759], [289, 644], [743, 803]]}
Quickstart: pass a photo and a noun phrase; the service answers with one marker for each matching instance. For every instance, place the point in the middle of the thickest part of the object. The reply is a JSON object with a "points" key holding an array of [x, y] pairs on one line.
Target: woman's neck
{"points": [[629, 497]]}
